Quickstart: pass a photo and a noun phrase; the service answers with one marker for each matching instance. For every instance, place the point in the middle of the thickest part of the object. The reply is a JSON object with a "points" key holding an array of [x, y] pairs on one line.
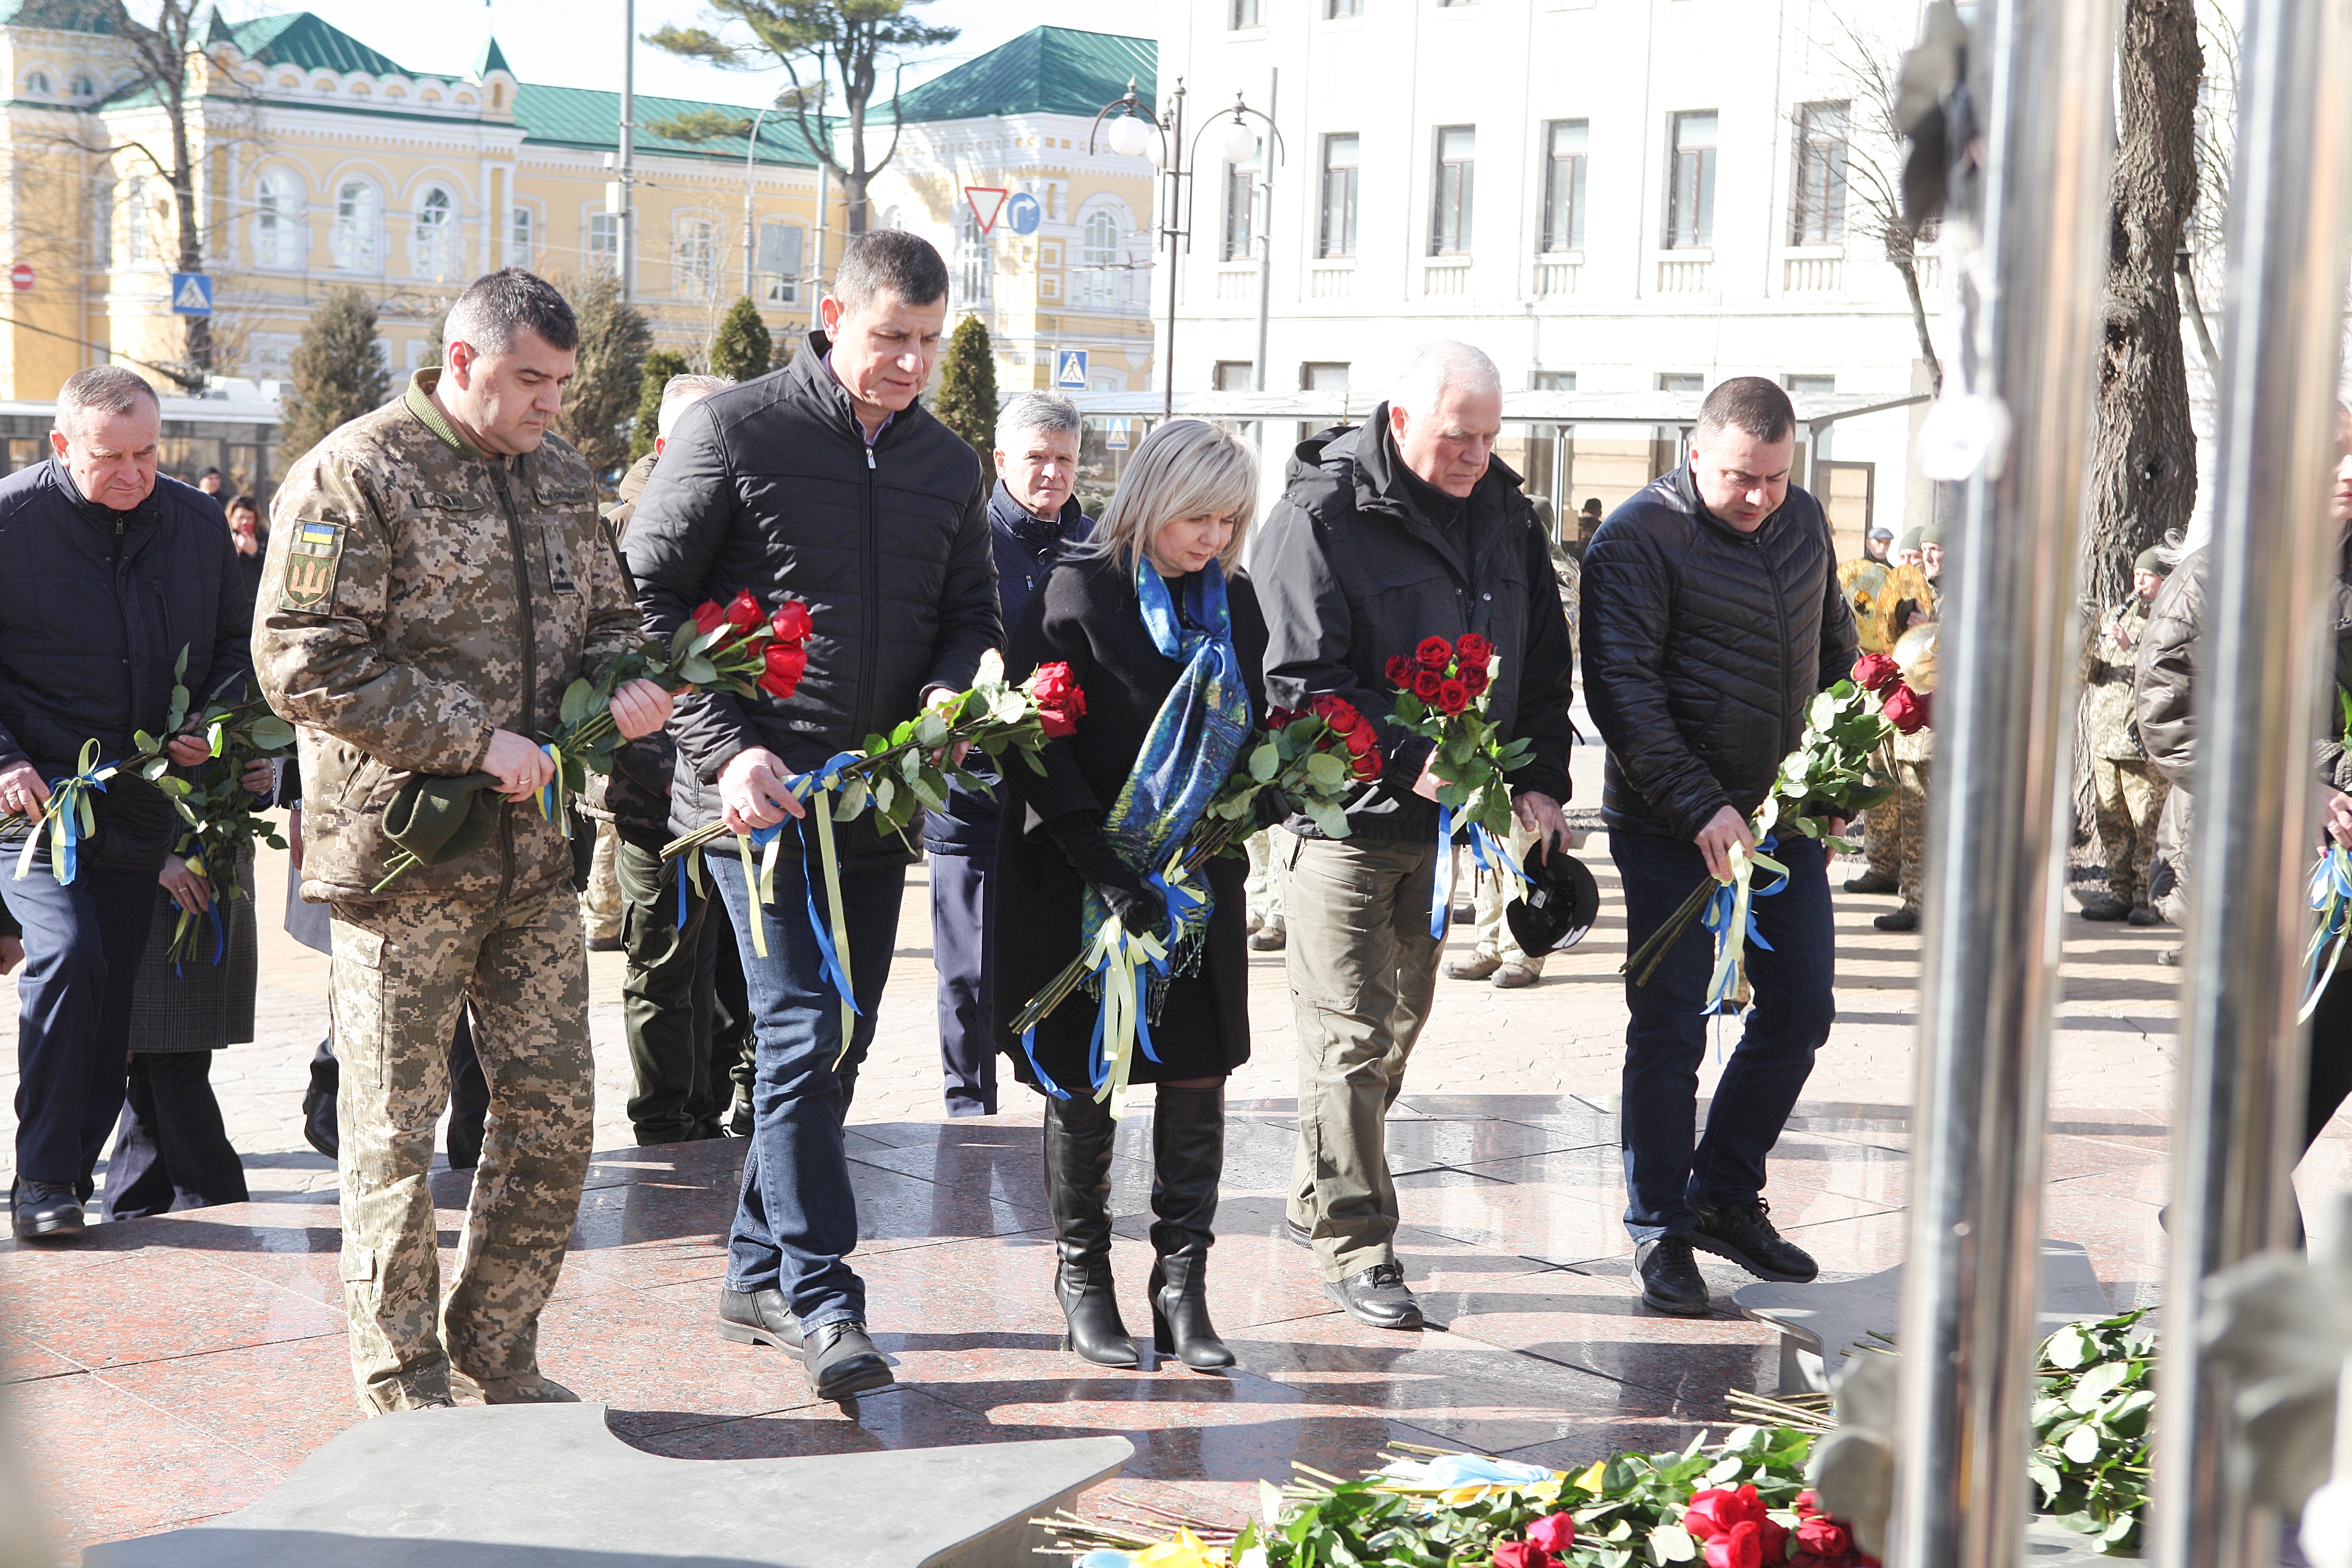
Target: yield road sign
{"points": [[192, 293], [1023, 213], [986, 202], [20, 277], [1070, 371]]}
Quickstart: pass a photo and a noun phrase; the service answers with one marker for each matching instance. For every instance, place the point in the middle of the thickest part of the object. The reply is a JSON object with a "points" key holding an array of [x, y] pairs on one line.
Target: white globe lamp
{"points": [[1240, 144], [1131, 138]]}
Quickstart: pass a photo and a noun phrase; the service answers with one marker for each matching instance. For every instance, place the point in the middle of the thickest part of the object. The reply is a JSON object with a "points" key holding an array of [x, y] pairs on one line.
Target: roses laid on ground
{"points": [[1060, 702], [1553, 1532], [1523, 1554]]}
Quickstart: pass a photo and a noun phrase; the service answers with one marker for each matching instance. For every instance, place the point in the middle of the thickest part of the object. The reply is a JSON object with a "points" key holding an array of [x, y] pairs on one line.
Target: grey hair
{"points": [[1437, 367], [107, 388], [891, 261], [1046, 411], [498, 305], [1186, 468], [680, 393]]}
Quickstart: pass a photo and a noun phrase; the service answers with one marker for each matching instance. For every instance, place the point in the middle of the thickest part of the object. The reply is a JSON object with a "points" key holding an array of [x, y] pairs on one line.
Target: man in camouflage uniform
{"points": [[434, 582], [1908, 599], [2128, 789]]}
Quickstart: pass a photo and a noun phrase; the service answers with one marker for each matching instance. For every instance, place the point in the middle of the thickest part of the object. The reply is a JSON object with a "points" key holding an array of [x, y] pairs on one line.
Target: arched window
{"points": [[84, 87], [38, 84], [693, 269], [975, 262], [893, 218], [278, 227], [355, 227], [1099, 253], [437, 234]]}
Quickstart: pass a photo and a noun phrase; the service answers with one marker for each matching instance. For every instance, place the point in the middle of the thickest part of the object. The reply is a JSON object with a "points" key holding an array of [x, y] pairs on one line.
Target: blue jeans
{"points": [[797, 1220], [83, 946], [1665, 1040]]}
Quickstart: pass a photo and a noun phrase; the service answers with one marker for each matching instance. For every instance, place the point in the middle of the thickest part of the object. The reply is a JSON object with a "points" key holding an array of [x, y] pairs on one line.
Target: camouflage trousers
{"points": [[2128, 797], [1911, 798], [1881, 831], [1493, 896], [1264, 888], [400, 970], [600, 904]]}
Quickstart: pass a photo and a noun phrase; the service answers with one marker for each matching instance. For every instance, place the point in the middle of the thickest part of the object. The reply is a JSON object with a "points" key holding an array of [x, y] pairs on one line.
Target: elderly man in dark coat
{"points": [[112, 572]]}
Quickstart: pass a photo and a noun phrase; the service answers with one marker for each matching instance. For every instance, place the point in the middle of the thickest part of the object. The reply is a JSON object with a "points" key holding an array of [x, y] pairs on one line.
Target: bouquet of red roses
{"points": [[1442, 693]]}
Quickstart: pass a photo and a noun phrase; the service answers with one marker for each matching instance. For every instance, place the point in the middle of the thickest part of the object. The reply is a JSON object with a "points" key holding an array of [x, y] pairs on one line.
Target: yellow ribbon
{"points": [[1744, 862], [1120, 958], [827, 857]]}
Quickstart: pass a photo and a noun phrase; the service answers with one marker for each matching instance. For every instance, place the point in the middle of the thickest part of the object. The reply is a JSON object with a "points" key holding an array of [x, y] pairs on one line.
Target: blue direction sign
{"points": [[1070, 371], [1023, 213], [192, 293]]}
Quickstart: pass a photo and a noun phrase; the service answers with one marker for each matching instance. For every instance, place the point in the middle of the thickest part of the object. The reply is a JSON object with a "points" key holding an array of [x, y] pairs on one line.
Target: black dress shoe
{"points": [[1377, 1297], [843, 1362], [1872, 882], [1897, 920], [758, 1318], [47, 1211], [1670, 1277], [1744, 1234]]}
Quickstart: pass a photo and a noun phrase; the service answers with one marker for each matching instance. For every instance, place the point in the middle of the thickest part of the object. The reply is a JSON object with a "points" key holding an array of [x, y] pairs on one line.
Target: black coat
{"points": [[95, 606], [1353, 570], [1026, 548], [770, 485], [1086, 613], [1703, 648]]}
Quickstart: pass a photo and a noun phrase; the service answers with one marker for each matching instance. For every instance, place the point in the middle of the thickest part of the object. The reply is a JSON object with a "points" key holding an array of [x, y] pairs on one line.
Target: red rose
{"points": [[1425, 685], [1473, 649], [1366, 767], [743, 611], [1876, 672], [1360, 740], [1808, 1503], [1716, 1509], [1553, 1532], [782, 667], [1452, 697], [1521, 1554], [709, 618], [791, 622], [1338, 712], [1282, 718], [1060, 701], [1907, 709], [1474, 679], [1435, 653], [1741, 1546], [1823, 1536], [1401, 672]]}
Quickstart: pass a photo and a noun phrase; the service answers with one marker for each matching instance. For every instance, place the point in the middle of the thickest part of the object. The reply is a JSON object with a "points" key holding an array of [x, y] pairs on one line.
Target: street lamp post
{"points": [[751, 224]]}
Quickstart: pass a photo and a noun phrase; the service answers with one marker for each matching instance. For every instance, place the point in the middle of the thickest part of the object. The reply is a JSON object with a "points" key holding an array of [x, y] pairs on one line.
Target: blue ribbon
{"points": [[804, 786], [1491, 853], [1717, 917], [2330, 898]]}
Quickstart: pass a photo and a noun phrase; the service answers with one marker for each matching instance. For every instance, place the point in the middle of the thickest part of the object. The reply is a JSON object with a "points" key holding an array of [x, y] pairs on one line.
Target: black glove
{"points": [[1273, 806], [1079, 836]]}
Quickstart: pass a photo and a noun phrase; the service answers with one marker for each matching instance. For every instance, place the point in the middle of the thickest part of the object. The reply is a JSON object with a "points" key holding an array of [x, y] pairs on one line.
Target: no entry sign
{"points": [[20, 277]]}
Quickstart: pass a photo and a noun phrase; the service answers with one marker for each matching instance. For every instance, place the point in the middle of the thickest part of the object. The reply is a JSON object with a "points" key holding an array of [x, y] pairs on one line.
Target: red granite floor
{"points": [[172, 1369]]}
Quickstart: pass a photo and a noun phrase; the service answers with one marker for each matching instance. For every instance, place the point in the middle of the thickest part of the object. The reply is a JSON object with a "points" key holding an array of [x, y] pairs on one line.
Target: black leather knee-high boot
{"points": [[1078, 1137], [1188, 1150]]}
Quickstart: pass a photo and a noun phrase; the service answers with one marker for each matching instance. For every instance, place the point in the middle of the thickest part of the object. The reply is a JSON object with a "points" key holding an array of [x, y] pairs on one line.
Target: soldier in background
{"points": [[2127, 788], [435, 582], [1882, 826], [1908, 600]]}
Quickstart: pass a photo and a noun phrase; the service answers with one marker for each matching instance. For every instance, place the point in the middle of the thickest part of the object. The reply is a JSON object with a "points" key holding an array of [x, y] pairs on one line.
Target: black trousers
{"points": [[963, 951], [171, 1151], [666, 1008]]}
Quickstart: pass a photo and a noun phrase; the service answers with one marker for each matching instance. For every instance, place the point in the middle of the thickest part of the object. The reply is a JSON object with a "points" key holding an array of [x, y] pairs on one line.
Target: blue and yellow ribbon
{"points": [[69, 816], [816, 788], [1127, 971], [1490, 852], [551, 793], [2330, 897], [1730, 914]]}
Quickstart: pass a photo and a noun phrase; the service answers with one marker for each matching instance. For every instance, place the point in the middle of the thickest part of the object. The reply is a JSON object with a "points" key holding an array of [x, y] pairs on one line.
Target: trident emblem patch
{"points": [[310, 564]]}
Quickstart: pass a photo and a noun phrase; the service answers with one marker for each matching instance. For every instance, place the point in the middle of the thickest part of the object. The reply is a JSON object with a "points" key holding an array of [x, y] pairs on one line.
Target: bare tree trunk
{"points": [[1906, 262], [184, 199], [2144, 452]]}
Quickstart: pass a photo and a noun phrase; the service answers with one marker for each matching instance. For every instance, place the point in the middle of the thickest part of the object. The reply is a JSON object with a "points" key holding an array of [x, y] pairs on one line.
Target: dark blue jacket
{"points": [[95, 606], [1026, 549]]}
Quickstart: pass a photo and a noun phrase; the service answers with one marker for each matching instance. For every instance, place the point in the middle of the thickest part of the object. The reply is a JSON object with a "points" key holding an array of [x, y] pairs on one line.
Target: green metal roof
{"points": [[589, 116], [302, 40], [1045, 70], [60, 15], [493, 58]]}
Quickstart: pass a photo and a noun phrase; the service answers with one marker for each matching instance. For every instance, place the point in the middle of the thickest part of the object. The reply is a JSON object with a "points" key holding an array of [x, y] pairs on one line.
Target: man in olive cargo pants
{"points": [[435, 582]]}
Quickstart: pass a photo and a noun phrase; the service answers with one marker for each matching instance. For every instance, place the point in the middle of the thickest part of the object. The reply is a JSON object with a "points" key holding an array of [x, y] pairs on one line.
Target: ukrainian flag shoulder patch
{"points": [[312, 558]]}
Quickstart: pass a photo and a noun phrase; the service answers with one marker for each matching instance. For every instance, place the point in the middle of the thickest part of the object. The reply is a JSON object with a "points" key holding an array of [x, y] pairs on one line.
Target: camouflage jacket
{"points": [[2107, 686], [418, 596]]}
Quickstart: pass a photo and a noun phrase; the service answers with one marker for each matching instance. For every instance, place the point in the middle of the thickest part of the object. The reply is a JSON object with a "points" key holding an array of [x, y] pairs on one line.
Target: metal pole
{"points": [[2005, 722], [2238, 1121], [628, 256], [1175, 222], [750, 177], [1265, 230]]}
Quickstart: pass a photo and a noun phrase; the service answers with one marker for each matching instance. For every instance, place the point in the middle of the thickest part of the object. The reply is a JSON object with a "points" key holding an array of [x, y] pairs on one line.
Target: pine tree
{"points": [[966, 403], [337, 373], [597, 405], [742, 348], [660, 365]]}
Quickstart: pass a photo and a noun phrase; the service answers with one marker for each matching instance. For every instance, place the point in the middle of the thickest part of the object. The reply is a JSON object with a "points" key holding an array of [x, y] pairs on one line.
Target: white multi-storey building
{"points": [[1629, 197]]}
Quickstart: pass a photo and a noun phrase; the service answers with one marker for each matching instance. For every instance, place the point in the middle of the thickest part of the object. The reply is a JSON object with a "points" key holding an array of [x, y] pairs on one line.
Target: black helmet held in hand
{"points": [[1560, 904]]}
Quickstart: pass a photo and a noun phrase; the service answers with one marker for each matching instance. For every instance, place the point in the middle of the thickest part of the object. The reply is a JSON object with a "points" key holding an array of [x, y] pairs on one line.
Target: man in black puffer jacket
{"points": [[828, 483], [1712, 617], [109, 572]]}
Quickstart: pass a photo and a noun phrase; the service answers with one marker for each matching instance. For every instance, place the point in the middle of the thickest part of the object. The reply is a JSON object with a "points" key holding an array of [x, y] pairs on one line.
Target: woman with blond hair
{"points": [[1167, 648]]}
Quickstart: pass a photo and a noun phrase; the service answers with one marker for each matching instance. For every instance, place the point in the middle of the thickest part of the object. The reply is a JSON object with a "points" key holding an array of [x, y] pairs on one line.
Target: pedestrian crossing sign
{"points": [[192, 293], [1115, 440], [1070, 369]]}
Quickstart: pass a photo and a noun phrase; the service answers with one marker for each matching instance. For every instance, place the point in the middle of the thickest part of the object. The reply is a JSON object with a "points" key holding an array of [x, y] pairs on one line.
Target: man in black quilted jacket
{"points": [[826, 483], [1712, 615]]}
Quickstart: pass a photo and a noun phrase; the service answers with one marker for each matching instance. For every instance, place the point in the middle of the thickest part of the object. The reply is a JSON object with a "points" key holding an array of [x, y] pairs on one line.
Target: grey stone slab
{"points": [[550, 1487], [1821, 1324]]}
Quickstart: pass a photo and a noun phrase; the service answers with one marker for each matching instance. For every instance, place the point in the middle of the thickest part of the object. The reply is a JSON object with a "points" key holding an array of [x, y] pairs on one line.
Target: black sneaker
{"points": [[843, 1362], [2142, 915], [1670, 1277], [1744, 1234], [1377, 1297]]}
